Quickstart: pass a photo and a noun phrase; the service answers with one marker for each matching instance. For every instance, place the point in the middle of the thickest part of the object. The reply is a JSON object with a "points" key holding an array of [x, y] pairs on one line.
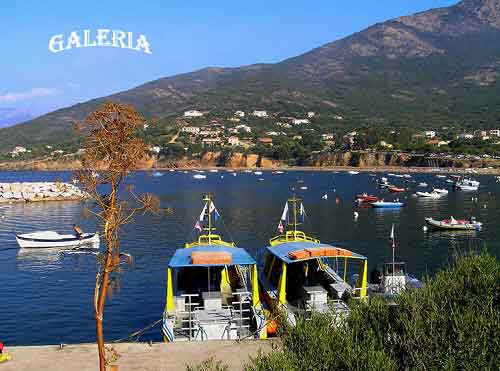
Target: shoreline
{"points": [[369, 169], [134, 356]]}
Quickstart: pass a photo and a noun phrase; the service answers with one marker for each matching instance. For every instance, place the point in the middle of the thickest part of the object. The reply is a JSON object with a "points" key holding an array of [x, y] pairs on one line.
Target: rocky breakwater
{"points": [[40, 191]]}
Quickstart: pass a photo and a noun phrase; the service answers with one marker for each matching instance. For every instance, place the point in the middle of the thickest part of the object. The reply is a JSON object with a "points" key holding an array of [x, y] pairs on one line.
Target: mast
{"points": [[208, 200], [294, 214], [393, 247]]}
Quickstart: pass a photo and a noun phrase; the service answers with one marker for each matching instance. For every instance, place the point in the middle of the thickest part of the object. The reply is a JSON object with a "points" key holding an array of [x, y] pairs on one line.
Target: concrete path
{"points": [[133, 356]]}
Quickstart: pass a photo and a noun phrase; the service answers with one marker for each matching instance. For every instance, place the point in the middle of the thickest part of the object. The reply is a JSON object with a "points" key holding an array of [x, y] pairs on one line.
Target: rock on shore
{"points": [[40, 191]]}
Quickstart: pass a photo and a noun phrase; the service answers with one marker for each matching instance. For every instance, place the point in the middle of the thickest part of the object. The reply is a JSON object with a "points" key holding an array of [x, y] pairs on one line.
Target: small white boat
{"points": [[453, 224], [157, 174], [257, 172], [440, 176], [324, 197], [466, 187], [407, 176], [449, 181], [352, 172], [45, 239], [199, 176], [304, 188], [434, 195], [440, 190], [423, 184], [386, 205], [214, 171]]}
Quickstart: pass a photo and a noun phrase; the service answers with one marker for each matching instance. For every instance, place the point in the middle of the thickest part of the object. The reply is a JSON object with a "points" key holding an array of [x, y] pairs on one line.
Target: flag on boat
{"points": [[214, 210], [202, 215], [302, 213], [281, 228], [284, 216], [392, 237], [198, 226]]}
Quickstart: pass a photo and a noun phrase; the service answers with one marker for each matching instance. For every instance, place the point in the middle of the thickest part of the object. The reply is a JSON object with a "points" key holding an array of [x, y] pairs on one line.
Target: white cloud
{"points": [[14, 97]]}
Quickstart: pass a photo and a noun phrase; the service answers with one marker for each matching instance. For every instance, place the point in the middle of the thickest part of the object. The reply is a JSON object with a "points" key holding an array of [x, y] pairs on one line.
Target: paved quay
{"points": [[134, 356]]}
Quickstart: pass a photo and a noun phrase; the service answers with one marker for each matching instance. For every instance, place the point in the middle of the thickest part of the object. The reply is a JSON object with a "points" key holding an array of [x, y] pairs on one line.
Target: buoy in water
{"points": [[424, 228], [337, 200], [356, 215], [325, 197]]}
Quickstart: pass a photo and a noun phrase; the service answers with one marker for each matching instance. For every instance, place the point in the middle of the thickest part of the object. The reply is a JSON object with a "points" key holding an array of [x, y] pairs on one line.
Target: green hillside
{"points": [[430, 69]]}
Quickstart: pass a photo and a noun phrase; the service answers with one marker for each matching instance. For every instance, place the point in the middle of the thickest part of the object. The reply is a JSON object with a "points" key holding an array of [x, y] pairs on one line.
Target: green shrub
{"points": [[452, 323]]}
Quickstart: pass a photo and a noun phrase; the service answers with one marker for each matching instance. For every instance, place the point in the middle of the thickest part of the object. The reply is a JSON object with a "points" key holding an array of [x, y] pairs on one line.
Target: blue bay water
{"points": [[45, 295]]}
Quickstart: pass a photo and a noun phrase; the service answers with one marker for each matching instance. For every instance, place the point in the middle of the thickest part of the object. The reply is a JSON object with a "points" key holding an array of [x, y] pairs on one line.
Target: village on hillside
{"points": [[290, 137]]}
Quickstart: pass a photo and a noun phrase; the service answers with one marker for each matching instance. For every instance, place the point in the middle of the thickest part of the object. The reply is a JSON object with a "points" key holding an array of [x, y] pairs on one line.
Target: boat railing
{"points": [[291, 236], [241, 312], [210, 239], [188, 321]]}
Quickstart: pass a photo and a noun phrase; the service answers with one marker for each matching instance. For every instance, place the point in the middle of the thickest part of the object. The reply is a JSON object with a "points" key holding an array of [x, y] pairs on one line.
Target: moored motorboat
{"points": [[393, 279], [467, 184], [440, 190], [46, 239], [394, 189], [423, 184], [301, 275], [454, 224], [387, 204], [212, 288], [352, 172], [199, 176], [366, 198], [433, 195]]}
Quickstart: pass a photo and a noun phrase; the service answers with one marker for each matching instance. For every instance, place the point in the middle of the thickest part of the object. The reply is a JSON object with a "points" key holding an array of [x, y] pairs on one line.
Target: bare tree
{"points": [[112, 149]]}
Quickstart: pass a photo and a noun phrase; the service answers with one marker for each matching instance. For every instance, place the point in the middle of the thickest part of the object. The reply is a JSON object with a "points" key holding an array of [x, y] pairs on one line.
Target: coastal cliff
{"points": [[359, 159]]}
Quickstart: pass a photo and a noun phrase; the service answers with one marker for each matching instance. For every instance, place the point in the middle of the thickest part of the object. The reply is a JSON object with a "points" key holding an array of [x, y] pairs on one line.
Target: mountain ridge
{"points": [[433, 66]]}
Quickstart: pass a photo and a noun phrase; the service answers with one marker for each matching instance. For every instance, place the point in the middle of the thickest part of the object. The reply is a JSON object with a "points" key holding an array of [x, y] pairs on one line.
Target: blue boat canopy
{"points": [[281, 251], [182, 257]]}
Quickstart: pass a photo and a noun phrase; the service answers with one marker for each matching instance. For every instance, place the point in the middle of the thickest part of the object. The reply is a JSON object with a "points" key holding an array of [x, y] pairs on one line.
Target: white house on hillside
{"points": [[260, 113], [193, 113], [190, 129], [18, 150], [300, 121], [233, 141], [245, 128], [239, 113], [430, 134]]}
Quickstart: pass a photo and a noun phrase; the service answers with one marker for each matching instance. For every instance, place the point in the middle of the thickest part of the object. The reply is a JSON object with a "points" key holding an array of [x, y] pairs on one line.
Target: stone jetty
{"points": [[40, 191]]}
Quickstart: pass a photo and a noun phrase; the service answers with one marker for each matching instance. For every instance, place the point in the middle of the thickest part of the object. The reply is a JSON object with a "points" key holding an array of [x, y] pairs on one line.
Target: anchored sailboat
{"points": [[302, 275], [212, 288]]}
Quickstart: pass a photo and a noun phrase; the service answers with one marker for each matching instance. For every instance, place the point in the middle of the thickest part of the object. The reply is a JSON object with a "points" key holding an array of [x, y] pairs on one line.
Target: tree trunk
{"points": [[100, 312]]}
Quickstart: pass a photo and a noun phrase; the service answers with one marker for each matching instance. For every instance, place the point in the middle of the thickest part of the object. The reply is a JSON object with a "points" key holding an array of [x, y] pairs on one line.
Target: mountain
{"points": [[432, 68]]}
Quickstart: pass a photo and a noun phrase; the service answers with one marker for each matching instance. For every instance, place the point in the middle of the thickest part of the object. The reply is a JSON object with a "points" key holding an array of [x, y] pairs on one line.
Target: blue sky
{"points": [[184, 36]]}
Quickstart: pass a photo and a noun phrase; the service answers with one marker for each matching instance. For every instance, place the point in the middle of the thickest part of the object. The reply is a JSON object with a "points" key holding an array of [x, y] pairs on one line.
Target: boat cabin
{"points": [[394, 277], [212, 294], [305, 276]]}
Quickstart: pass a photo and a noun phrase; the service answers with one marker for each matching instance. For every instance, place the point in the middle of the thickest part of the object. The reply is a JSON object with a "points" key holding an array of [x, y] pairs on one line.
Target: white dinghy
{"points": [[45, 239]]}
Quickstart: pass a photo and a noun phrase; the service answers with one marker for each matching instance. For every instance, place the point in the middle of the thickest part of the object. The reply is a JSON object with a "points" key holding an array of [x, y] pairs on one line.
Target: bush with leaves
{"points": [[452, 323]]}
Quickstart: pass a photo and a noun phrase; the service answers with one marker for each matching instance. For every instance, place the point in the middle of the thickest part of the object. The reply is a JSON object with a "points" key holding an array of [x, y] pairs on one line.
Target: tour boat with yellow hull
{"points": [[302, 275], [212, 288]]}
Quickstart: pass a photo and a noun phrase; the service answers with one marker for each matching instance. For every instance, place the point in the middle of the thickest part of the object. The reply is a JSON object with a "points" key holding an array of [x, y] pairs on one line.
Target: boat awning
{"points": [[284, 250], [183, 257]]}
